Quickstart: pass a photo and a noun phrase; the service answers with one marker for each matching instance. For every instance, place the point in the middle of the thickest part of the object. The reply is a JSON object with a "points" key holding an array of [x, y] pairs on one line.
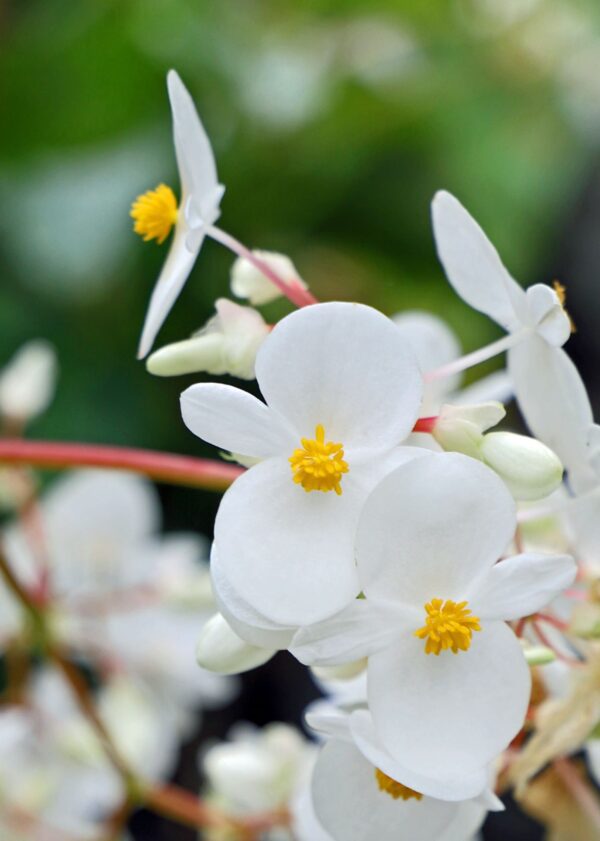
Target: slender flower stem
{"points": [[426, 424], [163, 467], [477, 356], [295, 292]]}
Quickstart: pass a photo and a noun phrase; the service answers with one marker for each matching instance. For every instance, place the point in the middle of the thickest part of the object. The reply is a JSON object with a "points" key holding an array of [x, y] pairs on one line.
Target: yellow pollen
{"points": [[154, 213], [448, 626], [395, 789], [319, 465], [561, 294]]}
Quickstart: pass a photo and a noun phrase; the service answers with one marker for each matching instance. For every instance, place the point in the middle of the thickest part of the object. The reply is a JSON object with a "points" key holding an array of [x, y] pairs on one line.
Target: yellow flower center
{"points": [[319, 465], [561, 294], [394, 788], [448, 626], [154, 213]]}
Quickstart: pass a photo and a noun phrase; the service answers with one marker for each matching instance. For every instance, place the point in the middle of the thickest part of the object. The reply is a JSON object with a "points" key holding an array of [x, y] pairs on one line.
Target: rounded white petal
{"points": [[548, 315], [430, 526], [234, 420], [520, 586], [173, 275], [436, 714], [350, 806], [219, 649], [344, 366], [288, 553], [247, 281], [28, 382], [472, 264]]}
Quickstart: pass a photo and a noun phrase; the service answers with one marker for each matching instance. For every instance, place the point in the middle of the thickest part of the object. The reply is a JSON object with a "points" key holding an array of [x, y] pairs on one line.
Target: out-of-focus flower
{"points": [[258, 771], [247, 281], [342, 391], [228, 344], [120, 593], [432, 587], [28, 381], [156, 212], [357, 795]]}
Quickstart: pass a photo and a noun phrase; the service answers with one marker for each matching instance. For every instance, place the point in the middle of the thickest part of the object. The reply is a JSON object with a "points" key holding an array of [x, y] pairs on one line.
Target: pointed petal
{"points": [[472, 264]]}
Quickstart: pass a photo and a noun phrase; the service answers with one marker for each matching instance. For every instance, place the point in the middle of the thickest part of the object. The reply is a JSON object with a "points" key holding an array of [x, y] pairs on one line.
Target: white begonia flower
{"points": [[436, 603], [535, 319], [357, 796], [28, 381], [342, 391], [247, 281], [226, 345], [156, 212], [119, 590], [257, 771]]}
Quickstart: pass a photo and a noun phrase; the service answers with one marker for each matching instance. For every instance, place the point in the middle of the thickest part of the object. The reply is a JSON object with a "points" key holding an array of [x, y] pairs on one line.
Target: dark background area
{"points": [[333, 124]]}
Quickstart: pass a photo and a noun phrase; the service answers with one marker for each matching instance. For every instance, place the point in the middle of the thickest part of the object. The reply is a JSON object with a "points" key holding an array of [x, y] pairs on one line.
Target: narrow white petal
{"points": [[219, 649], [234, 420], [520, 586], [473, 266]]}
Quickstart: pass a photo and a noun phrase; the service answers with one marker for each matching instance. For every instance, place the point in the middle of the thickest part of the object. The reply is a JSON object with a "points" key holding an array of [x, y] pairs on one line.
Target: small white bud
{"points": [[460, 429], [219, 649], [228, 344], [539, 655], [27, 383], [249, 282], [529, 468]]}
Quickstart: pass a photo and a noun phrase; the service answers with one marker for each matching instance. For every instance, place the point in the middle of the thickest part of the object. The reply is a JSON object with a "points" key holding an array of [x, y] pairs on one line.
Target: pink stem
{"points": [[426, 424], [163, 467], [296, 293]]}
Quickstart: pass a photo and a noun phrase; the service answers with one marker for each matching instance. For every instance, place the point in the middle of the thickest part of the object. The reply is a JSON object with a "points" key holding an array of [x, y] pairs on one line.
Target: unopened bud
{"points": [[220, 650], [538, 655], [228, 344], [27, 383], [249, 282], [530, 469], [460, 429]]}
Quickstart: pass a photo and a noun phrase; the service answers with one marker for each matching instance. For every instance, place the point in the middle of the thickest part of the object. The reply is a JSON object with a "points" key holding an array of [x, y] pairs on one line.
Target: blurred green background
{"points": [[333, 123]]}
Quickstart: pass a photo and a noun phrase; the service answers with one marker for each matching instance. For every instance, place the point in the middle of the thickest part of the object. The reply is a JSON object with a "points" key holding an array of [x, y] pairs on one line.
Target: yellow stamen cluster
{"points": [[319, 465], [561, 294], [154, 213], [394, 788], [448, 626]]}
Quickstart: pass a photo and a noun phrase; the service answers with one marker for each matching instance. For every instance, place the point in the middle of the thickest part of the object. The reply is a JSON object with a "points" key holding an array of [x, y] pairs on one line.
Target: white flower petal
{"points": [[173, 275], [234, 420], [430, 527], [351, 807], [195, 157], [548, 315], [453, 783], [435, 714], [496, 386], [553, 400], [344, 366], [472, 264], [245, 621], [357, 631], [520, 586]]}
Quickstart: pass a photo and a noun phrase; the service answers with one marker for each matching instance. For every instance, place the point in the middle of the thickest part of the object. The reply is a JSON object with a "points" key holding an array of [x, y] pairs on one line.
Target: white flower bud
{"points": [[219, 649], [538, 655], [529, 468], [460, 429], [226, 345], [27, 383], [249, 282]]}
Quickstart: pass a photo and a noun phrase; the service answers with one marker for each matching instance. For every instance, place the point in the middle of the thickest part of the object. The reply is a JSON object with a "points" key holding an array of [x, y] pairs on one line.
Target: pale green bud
{"points": [[460, 429], [228, 344], [247, 281], [539, 655], [530, 469], [219, 649]]}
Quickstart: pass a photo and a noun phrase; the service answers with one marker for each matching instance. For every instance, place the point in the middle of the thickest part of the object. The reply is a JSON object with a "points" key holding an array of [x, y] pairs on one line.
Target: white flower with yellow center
{"points": [[448, 685], [342, 391], [357, 793], [157, 212]]}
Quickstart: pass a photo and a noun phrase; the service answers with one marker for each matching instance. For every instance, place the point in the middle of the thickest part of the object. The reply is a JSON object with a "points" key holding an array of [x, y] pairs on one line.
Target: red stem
{"points": [[425, 424], [163, 467]]}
